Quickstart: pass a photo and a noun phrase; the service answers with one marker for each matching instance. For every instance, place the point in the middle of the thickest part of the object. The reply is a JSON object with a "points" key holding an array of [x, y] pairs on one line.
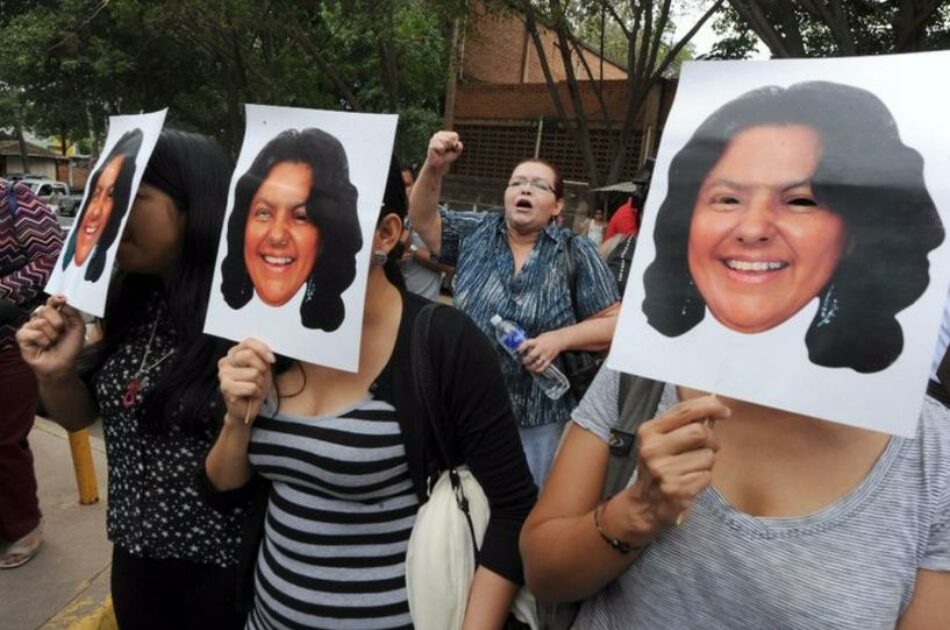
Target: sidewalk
{"points": [[67, 585]]}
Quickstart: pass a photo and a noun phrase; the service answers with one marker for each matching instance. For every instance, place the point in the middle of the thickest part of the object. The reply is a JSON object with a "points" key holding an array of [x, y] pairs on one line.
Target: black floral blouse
{"points": [[154, 508]]}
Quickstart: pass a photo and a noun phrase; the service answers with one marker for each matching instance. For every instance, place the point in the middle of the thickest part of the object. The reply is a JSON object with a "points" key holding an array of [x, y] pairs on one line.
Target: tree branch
{"points": [[914, 26], [594, 83], [616, 17], [564, 46], [751, 12], [314, 53]]}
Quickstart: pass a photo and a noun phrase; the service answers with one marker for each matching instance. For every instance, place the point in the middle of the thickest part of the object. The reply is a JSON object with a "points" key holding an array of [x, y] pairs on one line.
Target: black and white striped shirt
{"points": [[339, 516]]}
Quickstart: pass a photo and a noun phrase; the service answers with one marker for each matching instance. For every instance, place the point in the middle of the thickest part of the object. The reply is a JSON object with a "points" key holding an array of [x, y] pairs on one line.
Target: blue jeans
{"points": [[540, 444]]}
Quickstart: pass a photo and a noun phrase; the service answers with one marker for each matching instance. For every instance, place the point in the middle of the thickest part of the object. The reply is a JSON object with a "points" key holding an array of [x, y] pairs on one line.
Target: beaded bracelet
{"points": [[618, 545]]}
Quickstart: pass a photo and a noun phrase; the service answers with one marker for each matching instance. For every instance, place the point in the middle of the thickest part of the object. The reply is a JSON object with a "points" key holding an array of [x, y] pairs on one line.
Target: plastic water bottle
{"points": [[552, 381]]}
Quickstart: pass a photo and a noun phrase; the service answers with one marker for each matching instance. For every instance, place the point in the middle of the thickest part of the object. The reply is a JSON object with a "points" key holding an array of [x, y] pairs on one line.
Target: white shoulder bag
{"points": [[449, 529]]}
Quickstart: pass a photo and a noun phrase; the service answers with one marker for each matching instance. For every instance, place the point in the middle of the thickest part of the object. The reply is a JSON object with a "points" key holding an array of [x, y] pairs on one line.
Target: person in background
{"points": [[30, 241], [594, 228], [625, 220], [422, 272], [513, 264], [152, 380]]}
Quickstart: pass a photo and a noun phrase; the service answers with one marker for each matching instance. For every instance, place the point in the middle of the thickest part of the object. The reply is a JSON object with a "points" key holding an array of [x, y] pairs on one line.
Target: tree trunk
{"points": [[451, 79], [387, 60], [21, 141], [93, 135]]}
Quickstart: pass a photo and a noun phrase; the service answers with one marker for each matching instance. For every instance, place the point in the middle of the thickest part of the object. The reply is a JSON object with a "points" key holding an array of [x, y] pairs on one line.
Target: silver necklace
{"points": [[134, 386]]}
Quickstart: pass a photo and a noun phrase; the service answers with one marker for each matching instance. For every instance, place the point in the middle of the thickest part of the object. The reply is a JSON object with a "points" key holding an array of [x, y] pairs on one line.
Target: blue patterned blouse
{"points": [[538, 298]]}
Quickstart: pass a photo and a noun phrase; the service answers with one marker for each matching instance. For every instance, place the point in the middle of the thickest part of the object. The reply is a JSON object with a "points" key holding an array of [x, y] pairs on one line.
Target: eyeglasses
{"points": [[537, 183]]}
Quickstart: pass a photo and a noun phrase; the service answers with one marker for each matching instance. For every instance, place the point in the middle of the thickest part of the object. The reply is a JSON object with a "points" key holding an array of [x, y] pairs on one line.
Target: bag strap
{"points": [[571, 267], [638, 398], [12, 208], [943, 371], [427, 393], [11, 198]]}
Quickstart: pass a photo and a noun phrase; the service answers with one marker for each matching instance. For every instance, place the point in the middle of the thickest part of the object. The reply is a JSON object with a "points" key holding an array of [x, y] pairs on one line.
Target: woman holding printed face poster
{"points": [[335, 463], [739, 515], [151, 378]]}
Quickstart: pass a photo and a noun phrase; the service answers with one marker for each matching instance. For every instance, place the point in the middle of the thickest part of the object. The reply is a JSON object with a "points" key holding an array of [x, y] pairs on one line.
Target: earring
{"points": [[689, 297], [310, 290], [828, 307], [379, 257]]}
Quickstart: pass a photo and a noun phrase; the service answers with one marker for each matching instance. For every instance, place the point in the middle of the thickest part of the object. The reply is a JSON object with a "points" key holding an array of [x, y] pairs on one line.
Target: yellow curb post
{"points": [[82, 464]]}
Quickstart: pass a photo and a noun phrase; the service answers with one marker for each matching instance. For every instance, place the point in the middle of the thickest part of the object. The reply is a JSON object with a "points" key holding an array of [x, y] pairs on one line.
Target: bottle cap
{"points": [[495, 320]]}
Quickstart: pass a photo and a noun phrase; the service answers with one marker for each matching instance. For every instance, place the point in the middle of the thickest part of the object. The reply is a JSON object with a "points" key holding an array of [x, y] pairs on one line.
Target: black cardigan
{"points": [[478, 426]]}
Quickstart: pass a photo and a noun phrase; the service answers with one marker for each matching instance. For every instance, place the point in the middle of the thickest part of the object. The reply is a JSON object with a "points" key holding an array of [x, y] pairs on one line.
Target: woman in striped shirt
{"points": [[334, 462]]}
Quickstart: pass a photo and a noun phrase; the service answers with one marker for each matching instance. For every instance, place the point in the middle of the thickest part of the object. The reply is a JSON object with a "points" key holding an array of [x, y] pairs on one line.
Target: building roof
{"points": [[10, 146]]}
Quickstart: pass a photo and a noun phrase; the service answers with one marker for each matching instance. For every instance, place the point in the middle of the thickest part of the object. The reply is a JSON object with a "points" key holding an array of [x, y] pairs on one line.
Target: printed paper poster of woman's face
{"points": [[108, 201], [784, 195], [294, 228]]}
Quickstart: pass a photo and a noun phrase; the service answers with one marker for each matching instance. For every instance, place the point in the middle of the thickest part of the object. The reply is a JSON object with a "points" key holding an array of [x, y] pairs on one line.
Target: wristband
{"points": [[618, 545]]}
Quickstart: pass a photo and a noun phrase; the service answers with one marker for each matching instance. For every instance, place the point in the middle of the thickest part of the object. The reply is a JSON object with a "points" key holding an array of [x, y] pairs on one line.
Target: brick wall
{"points": [[75, 175], [496, 48], [501, 124], [531, 101], [504, 113], [492, 150]]}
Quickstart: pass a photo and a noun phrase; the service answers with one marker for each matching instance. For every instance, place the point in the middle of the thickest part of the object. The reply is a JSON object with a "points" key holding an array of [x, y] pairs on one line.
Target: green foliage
{"points": [[591, 24], [416, 126], [71, 64], [797, 28], [735, 40]]}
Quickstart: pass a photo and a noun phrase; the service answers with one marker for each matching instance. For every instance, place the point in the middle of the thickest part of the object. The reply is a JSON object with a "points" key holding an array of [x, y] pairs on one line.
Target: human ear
{"points": [[387, 234]]}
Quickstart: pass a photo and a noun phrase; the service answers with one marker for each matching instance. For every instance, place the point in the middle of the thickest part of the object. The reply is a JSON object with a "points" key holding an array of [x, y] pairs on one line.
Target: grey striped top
{"points": [[849, 565], [340, 512]]}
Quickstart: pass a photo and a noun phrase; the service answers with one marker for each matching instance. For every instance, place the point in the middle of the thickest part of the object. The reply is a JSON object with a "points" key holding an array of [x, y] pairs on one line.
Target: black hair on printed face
{"points": [[866, 175], [331, 206], [127, 146]]}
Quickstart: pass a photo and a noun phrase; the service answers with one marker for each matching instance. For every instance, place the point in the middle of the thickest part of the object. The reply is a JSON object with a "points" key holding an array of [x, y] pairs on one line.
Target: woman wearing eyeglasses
{"points": [[515, 264]]}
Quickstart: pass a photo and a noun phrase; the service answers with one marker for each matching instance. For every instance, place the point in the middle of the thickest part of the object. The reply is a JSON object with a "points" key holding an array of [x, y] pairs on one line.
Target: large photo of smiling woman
{"points": [[294, 228], [106, 204], [784, 196]]}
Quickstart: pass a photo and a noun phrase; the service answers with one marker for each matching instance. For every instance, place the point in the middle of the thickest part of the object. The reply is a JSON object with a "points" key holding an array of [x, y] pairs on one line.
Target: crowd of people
{"points": [[248, 489]]}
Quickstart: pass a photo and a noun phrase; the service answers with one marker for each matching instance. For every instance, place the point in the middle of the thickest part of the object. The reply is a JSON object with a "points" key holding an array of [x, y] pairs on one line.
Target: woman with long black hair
{"points": [[151, 378], [335, 463]]}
